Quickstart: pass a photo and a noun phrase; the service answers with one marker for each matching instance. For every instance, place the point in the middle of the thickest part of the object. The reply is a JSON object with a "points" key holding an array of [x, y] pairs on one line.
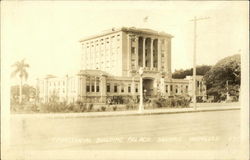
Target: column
{"points": [[46, 90], [77, 87], [80, 87], [83, 57], [165, 56], [129, 54], [141, 108], [94, 57], [133, 86], [169, 57], [84, 78], [169, 92], [100, 54], [159, 54], [90, 84], [105, 54], [103, 88], [110, 52], [95, 85], [162, 84], [199, 87], [143, 52], [155, 87], [67, 88], [152, 56], [136, 53]]}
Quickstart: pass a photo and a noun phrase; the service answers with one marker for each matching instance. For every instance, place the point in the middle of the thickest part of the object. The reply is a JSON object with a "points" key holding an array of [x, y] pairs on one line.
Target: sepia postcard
{"points": [[124, 80]]}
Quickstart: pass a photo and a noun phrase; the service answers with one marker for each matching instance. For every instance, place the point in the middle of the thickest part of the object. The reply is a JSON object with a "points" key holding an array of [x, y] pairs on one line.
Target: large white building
{"points": [[109, 67]]}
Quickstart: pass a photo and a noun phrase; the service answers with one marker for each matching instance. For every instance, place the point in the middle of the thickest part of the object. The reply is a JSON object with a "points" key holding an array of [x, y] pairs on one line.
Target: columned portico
{"points": [[148, 53]]}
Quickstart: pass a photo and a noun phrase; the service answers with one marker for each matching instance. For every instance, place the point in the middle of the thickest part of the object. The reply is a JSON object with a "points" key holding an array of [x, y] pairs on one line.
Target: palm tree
{"points": [[20, 70]]}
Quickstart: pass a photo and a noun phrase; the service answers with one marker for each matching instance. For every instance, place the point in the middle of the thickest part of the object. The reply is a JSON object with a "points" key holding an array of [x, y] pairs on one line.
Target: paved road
{"points": [[194, 131]]}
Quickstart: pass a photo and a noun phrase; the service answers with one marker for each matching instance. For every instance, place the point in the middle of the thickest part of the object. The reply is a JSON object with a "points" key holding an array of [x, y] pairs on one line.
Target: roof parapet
{"points": [[128, 29]]}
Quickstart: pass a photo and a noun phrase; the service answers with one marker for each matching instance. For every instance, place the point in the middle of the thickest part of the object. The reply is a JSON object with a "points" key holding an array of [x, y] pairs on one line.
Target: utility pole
{"points": [[194, 58]]}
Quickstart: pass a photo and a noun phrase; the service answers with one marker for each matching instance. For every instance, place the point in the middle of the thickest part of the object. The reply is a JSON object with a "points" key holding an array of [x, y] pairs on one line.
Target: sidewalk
{"points": [[126, 113]]}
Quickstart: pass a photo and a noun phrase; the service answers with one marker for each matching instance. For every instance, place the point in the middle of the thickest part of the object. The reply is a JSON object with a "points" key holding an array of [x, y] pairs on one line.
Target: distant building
{"points": [[109, 67]]}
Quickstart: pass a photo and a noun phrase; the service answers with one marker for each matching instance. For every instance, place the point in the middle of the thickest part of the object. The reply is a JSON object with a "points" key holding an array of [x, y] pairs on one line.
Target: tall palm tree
{"points": [[20, 70]]}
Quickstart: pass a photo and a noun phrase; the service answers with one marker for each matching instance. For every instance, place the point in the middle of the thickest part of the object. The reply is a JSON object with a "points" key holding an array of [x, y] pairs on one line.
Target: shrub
{"points": [[114, 108], [76, 108], [83, 107], [129, 106], [103, 108], [159, 103], [171, 102], [89, 107], [70, 107]]}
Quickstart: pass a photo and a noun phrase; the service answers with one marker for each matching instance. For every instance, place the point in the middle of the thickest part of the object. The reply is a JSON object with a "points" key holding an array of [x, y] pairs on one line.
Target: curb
{"points": [[151, 113], [122, 114]]}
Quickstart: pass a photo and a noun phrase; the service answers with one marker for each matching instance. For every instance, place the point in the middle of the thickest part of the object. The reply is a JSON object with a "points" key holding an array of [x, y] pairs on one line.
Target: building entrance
{"points": [[148, 86]]}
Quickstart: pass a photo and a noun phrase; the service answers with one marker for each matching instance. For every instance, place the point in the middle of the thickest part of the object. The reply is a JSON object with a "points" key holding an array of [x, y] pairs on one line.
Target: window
{"points": [[166, 88], [136, 88], [87, 88], [129, 88], [155, 64], [133, 50], [115, 88], [176, 90], [108, 87], [92, 88], [97, 88], [171, 88], [186, 88]]}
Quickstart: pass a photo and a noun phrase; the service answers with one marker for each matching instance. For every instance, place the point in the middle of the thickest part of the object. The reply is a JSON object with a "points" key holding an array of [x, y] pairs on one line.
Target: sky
{"points": [[47, 33]]}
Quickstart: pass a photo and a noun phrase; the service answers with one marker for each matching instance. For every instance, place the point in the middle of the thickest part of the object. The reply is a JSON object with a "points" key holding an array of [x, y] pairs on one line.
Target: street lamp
{"points": [[141, 108]]}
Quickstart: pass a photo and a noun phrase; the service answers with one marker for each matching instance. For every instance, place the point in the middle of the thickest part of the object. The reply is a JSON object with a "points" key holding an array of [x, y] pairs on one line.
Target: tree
{"points": [[200, 70], [20, 70], [226, 70], [27, 91]]}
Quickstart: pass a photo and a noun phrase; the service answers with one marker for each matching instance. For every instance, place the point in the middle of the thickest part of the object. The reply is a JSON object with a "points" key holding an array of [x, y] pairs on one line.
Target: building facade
{"points": [[121, 52], [109, 67]]}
